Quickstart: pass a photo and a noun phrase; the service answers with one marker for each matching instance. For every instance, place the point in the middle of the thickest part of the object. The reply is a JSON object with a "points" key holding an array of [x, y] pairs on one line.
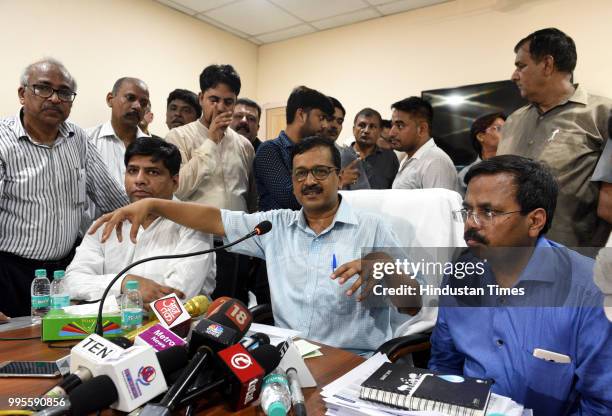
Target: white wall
{"points": [[102, 40], [378, 62]]}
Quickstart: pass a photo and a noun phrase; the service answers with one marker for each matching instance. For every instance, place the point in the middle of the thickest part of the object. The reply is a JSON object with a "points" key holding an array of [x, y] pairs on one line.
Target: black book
{"points": [[412, 388]]}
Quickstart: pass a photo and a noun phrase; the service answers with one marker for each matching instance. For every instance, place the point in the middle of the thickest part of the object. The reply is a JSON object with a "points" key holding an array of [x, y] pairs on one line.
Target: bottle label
{"points": [[40, 301], [131, 318], [274, 378], [60, 301]]}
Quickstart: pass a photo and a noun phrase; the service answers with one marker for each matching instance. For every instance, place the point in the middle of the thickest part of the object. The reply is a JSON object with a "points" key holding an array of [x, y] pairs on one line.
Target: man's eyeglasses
{"points": [[495, 127], [486, 217], [318, 172], [45, 91]]}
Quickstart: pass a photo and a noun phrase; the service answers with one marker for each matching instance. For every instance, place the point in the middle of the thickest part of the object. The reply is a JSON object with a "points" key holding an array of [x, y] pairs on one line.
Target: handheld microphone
{"points": [[260, 229], [255, 341], [195, 306], [224, 327], [96, 394]]}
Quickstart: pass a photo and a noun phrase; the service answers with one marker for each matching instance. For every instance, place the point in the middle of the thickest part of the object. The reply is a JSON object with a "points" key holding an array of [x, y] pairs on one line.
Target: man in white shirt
{"points": [[425, 164], [217, 164], [216, 161], [152, 167], [128, 101]]}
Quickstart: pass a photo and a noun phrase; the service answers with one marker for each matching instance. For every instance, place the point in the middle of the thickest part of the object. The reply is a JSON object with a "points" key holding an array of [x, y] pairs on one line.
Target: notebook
{"points": [[413, 388]]}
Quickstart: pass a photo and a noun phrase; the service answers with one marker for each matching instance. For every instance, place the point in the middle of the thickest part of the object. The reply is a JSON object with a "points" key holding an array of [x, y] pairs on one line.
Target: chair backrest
{"points": [[421, 218]]}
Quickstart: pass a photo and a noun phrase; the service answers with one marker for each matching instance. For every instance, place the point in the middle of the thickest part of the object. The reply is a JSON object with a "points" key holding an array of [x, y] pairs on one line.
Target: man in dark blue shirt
{"points": [[537, 328], [307, 112]]}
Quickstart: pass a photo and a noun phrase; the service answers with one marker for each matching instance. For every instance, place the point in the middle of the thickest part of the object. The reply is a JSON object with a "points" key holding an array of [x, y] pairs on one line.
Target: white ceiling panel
{"points": [[346, 19], [265, 21], [311, 10], [177, 6], [405, 5], [203, 5], [293, 32], [253, 17]]}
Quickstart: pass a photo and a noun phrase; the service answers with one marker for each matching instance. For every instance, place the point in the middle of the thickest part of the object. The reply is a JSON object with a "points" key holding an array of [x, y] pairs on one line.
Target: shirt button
{"points": [[499, 343]]}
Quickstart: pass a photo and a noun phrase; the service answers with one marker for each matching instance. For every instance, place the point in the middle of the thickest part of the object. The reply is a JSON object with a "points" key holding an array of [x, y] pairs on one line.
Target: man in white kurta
{"points": [[151, 172]]}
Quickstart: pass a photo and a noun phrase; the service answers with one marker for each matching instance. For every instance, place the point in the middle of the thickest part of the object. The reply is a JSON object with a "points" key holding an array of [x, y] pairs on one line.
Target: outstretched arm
{"points": [[196, 216]]}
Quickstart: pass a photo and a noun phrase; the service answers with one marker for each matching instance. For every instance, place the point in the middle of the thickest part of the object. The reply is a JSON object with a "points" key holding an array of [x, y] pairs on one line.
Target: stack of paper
{"points": [[342, 396]]}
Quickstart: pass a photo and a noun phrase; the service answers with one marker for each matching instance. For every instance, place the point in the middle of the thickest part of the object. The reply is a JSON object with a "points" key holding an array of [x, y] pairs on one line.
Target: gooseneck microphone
{"points": [[260, 229]]}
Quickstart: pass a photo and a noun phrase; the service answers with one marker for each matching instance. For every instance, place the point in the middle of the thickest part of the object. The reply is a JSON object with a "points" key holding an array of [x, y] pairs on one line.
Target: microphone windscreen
{"points": [[263, 227], [198, 305], [261, 337], [233, 314], [216, 304], [267, 356], [172, 359], [93, 395]]}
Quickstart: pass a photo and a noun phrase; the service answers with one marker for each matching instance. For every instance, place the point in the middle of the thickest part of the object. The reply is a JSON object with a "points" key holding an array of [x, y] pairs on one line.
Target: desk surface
{"points": [[331, 365]]}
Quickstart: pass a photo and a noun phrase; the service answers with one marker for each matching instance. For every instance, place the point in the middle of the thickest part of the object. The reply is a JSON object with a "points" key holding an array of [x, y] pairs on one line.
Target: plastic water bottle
{"points": [[60, 297], [39, 292], [275, 394], [131, 307]]}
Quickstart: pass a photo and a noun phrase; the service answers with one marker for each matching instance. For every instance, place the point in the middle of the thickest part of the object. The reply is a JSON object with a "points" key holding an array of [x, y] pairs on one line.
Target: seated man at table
{"points": [[301, 250], [537, 328], [152, 167]]}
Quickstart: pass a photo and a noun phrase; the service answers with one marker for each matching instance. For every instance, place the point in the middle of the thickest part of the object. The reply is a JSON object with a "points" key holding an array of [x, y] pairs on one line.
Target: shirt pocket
{"points": [[542, 385], [564, 151]]}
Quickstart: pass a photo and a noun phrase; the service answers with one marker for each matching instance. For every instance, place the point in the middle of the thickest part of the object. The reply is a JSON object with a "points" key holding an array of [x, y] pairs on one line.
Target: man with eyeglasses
{"points": [[563, 126], [537, 327], [485, 134], [48, 168], [302, 250]]}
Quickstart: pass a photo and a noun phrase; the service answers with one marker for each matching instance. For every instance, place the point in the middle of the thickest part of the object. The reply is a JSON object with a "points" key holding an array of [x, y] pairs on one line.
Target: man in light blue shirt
{"points": [[546, 341], [301, 251]]}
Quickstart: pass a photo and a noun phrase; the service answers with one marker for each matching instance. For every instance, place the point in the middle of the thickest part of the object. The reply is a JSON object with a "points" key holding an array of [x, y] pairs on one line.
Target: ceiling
{"points": [[266, 21]]}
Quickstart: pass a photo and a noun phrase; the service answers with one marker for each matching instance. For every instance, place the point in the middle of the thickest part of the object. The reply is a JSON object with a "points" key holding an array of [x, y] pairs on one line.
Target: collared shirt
{"points": [[111, 148], [569, 138], [216, 174], [429, 167], [272, 169], [603, 170], [43, 189], [380, 167], [299, 263], [499, 342], [95, 264]]}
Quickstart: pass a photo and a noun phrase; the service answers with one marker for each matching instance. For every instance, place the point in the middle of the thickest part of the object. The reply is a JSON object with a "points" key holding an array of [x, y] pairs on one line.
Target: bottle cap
{"points": [[58, 274], [40, 273], [277, 409], [131, 284]]}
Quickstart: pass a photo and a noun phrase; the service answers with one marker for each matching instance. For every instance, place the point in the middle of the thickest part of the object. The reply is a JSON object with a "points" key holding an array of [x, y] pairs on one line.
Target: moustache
{"points": [[472, 234], [52, 107], [311, 188], [242, 126]]}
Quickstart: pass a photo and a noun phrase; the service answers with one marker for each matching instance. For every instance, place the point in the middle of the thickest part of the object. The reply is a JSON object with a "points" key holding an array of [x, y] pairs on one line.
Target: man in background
{"points": [[563, 126], [425, 164], [182, 107], [245, 120], [307, 112]]}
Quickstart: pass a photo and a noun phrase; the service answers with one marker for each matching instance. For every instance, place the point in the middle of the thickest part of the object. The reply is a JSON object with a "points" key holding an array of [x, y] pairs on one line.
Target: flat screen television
{"points": [[455, 109]]}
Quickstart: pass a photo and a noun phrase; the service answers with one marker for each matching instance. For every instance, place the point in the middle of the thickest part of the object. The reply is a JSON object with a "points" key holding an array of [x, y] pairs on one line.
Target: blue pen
{"points": [[334, 263]]}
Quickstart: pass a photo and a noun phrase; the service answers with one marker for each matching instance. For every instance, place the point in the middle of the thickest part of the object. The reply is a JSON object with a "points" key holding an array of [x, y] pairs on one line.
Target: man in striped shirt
{"points": [[47, 169]]}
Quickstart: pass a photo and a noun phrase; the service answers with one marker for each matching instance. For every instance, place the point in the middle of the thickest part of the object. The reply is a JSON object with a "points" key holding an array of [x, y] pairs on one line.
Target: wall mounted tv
{"points": [[455, 109]]}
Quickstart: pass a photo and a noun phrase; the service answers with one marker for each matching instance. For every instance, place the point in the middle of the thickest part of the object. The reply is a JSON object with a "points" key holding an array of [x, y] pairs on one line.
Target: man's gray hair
{"points": [[47, 62]]}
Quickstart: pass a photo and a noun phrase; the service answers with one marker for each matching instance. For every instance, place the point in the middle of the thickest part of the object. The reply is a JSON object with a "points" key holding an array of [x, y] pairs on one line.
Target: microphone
{"points": [[224, 327], [255, 341], [260, 229], [96, 394], [170, 360]]}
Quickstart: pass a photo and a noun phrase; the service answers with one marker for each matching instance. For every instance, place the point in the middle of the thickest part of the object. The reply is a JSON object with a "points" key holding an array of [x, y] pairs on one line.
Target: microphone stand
{"points": [[99, 327]]}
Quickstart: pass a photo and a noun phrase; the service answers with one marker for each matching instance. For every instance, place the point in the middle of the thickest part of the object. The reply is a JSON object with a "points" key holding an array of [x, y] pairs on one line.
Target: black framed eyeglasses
{"points": [[486, 217], [318, 172], [46, 91]]}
